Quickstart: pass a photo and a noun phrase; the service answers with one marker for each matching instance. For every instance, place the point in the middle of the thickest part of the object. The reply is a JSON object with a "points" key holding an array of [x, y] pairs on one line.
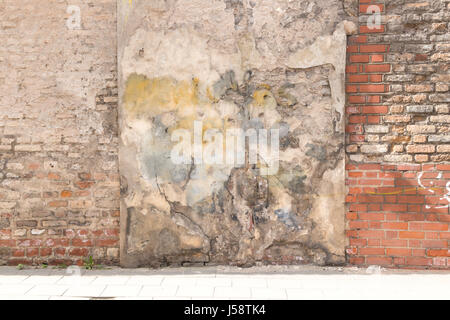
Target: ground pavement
{"points": [[212, 283]]}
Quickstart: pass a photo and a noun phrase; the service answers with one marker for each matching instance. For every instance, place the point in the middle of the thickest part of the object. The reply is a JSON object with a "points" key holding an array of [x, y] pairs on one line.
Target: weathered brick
{"points": [[28, 148], [419, 138], [441, 57], [421, 157], [440, 118], [421, 69], [374, 148], [419, 88], [420, 148], [399, 77], [421, 128], [420, 109], [402, 68], [398, 158], [397, 118], [443, 148], [440, 97], [440, 78], [26, 223], [442, 87], [439, 138], [54, 223], [376, 129]]}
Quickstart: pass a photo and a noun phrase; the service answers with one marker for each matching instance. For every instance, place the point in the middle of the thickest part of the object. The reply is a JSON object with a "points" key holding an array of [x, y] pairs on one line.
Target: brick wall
{"points": [[59, 185], [59, 182], [398, 137]]}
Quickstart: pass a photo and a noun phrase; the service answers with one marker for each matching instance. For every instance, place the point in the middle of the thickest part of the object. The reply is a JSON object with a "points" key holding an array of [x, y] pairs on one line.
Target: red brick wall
{"points": [[392, 220], [397, 130], [58, 160]]}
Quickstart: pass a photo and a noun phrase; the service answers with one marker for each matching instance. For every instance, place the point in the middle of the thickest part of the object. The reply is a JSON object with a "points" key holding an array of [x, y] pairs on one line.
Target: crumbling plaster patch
{"points": [[266, 64]]}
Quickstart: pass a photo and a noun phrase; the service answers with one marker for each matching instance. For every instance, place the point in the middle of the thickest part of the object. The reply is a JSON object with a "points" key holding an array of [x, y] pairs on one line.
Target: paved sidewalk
{"points": [[210, 283]]}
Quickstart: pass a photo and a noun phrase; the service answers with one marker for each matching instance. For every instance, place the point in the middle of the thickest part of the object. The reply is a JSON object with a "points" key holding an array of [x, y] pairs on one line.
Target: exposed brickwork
{"points": [[59, 181], [59, 184], [397, 136], [392, 220]]}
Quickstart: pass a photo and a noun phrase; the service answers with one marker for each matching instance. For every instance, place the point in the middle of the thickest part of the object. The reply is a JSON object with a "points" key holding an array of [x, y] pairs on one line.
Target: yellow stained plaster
{"points": [[159, 95], [210, 96], [153, 97], [259, 96], [130, 4]]}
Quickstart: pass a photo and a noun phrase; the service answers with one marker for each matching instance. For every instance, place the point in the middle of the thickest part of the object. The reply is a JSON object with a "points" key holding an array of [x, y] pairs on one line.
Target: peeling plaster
{"points": [[216, 62]]}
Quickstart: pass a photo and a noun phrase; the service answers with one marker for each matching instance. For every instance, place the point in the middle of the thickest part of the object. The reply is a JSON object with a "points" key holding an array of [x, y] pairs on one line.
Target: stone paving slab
{"points": [[212, 283]]}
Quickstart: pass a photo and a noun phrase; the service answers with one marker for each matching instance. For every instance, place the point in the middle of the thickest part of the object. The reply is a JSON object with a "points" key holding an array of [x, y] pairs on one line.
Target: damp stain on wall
{"points": [[228, 214]]}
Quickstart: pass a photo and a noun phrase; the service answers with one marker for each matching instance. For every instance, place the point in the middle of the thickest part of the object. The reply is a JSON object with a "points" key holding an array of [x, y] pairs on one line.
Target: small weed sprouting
{"points": [[89, 263]]}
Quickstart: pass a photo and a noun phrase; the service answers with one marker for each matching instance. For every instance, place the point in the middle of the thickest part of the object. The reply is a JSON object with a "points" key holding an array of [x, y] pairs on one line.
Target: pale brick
{"points": [[401, 99], [419, 98], [442, 108], [419, 88], [420, 109], [440, 118], [421, 128], [7, 140], [397, 119], [439, 27], [372, 138], [443, 148], [54, 223], [439, 138], [376, 129], [356, 157], [374, 148], [112, 253], [440, 97], [14, 166], [110, 99], [443, 46], [445, 78], [20, 232], [7, 204], [398, 158], [420, 148], [396, 88], [400, 77], [396, 108], [441, 87], [37, 232], [28, 148], [440, 157], [421, 157], [419, 138], [421, 69], [80, 204], [440, 57]]}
